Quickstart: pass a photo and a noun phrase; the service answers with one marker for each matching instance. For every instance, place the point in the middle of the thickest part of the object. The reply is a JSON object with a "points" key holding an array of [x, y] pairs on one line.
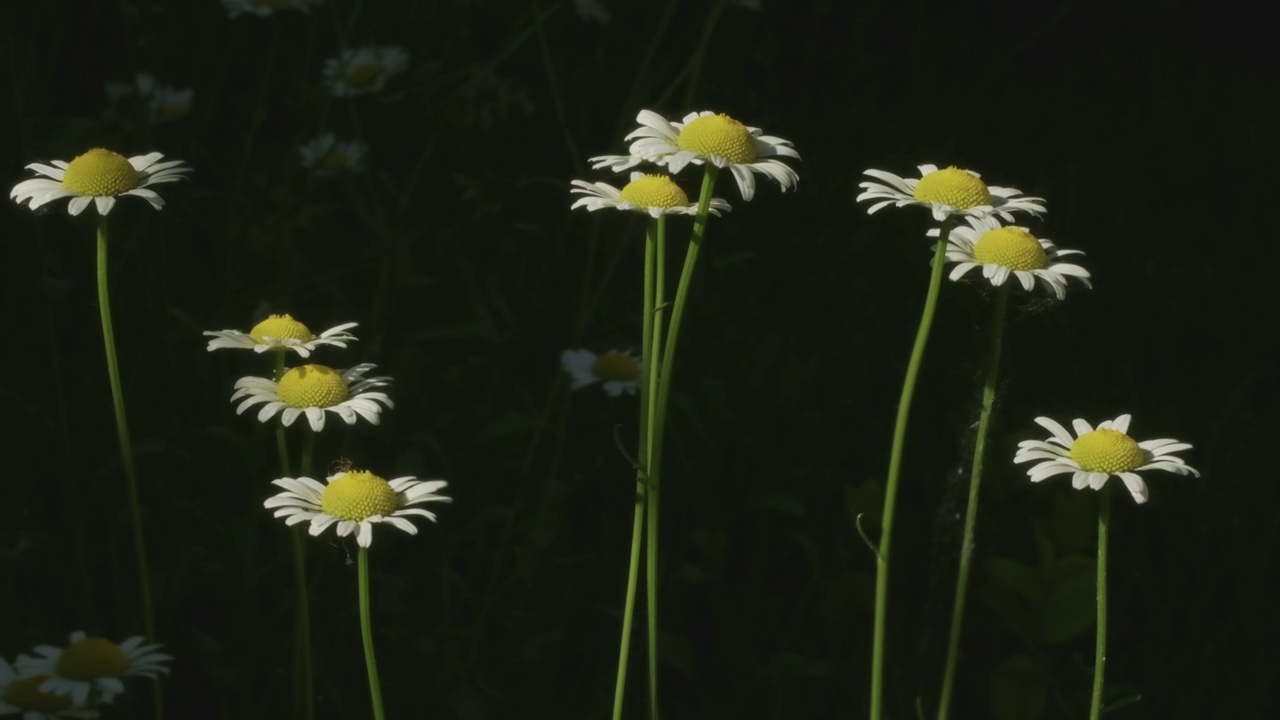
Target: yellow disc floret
{"points": [[334, 161], [1011, 247], [280, 327], [362, 77], [100, 173], [1107, 451], [312, 386], [615, 366], [719, 135], [953, 186], [654, 191], [359, 495], [92, 658], [25, 694]]}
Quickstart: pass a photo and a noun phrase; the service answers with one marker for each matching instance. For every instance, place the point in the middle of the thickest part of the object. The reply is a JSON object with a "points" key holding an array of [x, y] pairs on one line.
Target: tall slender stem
{"points": [[366, 635], [655, 373], [126, 450], [895, 468], [1100, 643], [971, 510]]}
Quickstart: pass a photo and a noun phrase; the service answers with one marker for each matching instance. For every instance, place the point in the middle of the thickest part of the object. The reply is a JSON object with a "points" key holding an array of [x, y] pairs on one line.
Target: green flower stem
{"points": [[1100, 643], [655, 374], [895, 468], [126, 450], [366, 634], [971, 511], [637, 522]]}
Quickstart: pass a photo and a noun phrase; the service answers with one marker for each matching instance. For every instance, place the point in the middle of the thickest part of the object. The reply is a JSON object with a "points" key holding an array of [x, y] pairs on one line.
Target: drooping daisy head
{"points": [[1094, 455], [363, 71], [654, 195], [707, 137], [617, 371], [99, 177], [326, 156], [280, 333], [314, 390], [947, 192], [355, 500], [89, 669], [265, 7], [1005, 251]]}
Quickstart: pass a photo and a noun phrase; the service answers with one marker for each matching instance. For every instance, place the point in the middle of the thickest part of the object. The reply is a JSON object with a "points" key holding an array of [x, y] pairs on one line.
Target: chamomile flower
{"points": [[99, 177], [265, 7], [654, 195], [281, 332], [704, 137], [313, 390], [616, 370], [363, 71], [92, 665], [23, 695], [1094, 455], [355, 501], [592, 10], [160, 103], [327, 156], [1005, 251], [946, 192]]}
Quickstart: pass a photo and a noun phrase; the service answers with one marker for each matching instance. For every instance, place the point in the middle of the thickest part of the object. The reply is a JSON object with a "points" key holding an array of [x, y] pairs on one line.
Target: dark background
{"points": [[1145, 125]]}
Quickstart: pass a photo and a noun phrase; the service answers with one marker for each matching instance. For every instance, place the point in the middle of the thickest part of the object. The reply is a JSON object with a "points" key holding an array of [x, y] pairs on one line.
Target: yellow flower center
{"points": [[92, 658], [100, 173], [719, 135], [25, 694], [1011, 247], [654, 191], [615, 366], [953, 186], [280, 327], [172, 110], [364, 76], [358, 495], [335, 160], [312, 386], [1107, 451]]}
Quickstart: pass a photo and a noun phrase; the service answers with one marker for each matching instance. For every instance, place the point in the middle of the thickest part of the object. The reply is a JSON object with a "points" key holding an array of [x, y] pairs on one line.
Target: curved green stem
{"points": [[895, 468], [366, 635], [971, 510], [126, 449], [1100, 642]]}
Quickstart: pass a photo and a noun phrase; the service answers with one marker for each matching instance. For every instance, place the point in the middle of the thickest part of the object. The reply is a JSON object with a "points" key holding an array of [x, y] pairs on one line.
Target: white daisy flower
{"points": [[1004, 251], [327, 156], [99, 177], [618, 371], [947, 192], [161, 103], [281, 332], [265, 7], [23, 695], [706, 137], [312, 390], [355, 500], [1093, 456], [92, 665], [365, 70], [654, 195], [592, 10]]}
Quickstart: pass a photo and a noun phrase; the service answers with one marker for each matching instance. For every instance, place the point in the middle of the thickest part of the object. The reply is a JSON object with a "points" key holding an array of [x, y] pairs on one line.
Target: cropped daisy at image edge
{"points": [[1094, 455], [98, 177], [91, 664]]}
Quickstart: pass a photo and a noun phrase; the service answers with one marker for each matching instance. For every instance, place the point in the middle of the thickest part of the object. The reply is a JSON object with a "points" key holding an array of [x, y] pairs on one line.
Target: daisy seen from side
{"points": [[363, 71], [280, 333], [354, 501], [22, 694], [315, 391], [90, 669], [1004, 251], [98, 177], [707, 137], [1094, 455], [326, 155], [946, 192], [617, 371], [653, 195]]}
